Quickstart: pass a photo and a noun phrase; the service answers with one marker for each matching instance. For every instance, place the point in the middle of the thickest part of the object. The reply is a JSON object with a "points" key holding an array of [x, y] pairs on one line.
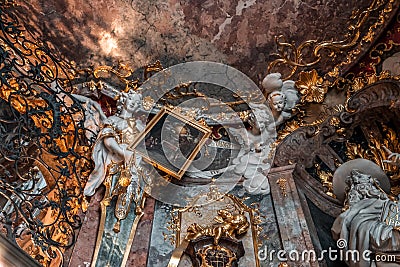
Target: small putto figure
{"points": [[282, 97], [227, 224]]}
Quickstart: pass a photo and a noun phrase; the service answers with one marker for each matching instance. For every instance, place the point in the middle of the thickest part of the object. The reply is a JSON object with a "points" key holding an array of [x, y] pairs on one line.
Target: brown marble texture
{"points": [[140, 246], [85, 244], [238, 32]]}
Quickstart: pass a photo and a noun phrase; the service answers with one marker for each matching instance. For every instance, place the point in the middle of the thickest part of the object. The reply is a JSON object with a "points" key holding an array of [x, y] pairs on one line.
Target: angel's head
{"points": [[224, 214], [129, 102], [277, 101], [361, 186]]}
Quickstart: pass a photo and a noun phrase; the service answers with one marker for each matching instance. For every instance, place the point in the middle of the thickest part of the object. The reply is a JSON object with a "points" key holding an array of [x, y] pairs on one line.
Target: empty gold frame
{"points": [[171, 141]]}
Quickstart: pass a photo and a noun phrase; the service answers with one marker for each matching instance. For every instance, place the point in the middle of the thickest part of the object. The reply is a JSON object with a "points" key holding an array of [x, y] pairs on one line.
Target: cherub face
{"points": [[132, 102], [278, 102]]}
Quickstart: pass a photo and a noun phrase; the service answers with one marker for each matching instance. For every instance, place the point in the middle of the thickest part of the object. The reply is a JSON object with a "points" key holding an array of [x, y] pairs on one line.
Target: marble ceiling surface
{"points": [[240, 33]]}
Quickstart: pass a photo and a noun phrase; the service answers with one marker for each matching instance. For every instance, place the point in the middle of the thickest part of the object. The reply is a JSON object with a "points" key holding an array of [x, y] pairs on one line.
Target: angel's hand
{"points": [[127, 155], [393, 158]]}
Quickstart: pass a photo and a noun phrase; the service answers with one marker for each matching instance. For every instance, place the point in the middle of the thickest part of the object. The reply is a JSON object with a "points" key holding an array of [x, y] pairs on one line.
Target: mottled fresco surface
{"points": [[240, 33]]}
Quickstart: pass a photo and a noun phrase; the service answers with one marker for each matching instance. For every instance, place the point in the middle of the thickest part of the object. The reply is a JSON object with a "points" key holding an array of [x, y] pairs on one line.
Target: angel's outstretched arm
{"points": [[120, 152]]}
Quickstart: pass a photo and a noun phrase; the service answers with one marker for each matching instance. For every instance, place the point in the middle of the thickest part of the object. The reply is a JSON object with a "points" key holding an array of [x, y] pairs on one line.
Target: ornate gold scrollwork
{"points": [[8, 3], [326, 179], [36, 87], [151, 68], [313, 87], [123, 72], [377, 153], [295, 57], [233, 219], [361, 81], [368, 73], [228, 224]]}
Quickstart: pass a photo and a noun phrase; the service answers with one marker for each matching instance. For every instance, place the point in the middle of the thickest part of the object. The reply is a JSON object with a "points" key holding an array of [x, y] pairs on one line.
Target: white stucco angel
{"points": [[115, 134], [282, 97], [253, 158]]}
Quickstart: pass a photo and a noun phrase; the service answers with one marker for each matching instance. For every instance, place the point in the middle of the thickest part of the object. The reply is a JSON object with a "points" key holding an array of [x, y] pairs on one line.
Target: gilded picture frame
{"points": [[171, 141]]}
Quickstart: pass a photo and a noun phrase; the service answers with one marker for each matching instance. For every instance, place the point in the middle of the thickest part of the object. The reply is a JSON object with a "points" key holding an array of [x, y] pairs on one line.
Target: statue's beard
{"points": [[363, 191]]}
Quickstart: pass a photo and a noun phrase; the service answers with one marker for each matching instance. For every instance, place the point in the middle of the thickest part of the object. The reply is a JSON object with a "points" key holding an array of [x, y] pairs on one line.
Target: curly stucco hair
{"points": [[362, 186], [124, 96]]}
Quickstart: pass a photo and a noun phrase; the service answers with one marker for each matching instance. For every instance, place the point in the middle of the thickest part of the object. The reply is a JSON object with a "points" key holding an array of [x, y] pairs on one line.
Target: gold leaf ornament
{"points": [[148, 103], [312, 87]]}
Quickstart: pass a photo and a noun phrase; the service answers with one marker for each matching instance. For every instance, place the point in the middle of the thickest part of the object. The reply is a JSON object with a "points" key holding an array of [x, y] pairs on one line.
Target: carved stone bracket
{"points": [[383, 93]]}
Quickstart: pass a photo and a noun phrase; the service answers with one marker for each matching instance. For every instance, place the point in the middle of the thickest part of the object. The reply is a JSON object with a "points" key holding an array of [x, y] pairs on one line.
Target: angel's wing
{"points": [[94, 116]]}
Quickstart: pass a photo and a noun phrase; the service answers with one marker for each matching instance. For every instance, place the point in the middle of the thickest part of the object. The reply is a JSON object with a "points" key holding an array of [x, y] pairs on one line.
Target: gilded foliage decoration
{"points": [[312, 87], [310, 52], [368, 70], [326, 179], [377, 152], [302, 61]]}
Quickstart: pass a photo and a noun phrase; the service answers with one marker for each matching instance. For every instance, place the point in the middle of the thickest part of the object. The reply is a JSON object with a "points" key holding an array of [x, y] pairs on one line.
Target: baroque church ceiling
{"points": [[255, 37], [330, 50], [239, 33]]}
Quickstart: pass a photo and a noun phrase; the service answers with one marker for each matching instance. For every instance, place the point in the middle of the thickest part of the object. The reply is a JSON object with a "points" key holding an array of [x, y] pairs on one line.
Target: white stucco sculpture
{"points": [[254, 158], [251, 161], [282, 97], [362, 225], [115, 135]]}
